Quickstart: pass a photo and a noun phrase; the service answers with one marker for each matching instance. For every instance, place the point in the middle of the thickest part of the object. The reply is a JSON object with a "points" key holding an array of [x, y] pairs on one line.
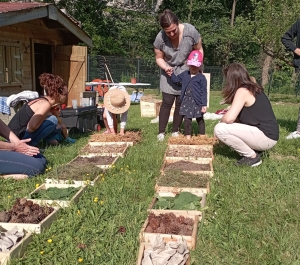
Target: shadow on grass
{"points": [[221, 149], [289, 125]]}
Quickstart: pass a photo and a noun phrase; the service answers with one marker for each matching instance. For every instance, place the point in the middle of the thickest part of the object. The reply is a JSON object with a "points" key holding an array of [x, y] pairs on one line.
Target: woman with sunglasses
{"points": [[172, 46], [32, 120]]}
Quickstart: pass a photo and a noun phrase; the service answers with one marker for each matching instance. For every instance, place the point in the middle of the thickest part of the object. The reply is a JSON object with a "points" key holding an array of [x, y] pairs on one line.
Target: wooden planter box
{"points": [[144, 246], [190, 240], [70, 182], [164, 190], [196, 172], [59, 203], [100, 166], [34, 228], [150, 107], [113, 154], [208, 148], [16, 251]]}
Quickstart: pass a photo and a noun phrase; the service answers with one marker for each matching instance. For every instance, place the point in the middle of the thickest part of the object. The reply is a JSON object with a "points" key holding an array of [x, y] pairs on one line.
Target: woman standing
{"points": [[249, 126], [172, 46], [31, 120]]}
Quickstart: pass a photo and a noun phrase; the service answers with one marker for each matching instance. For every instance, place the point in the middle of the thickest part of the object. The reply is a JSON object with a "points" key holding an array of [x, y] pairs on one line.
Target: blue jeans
{"points": [[43, 132], [16, 163]]}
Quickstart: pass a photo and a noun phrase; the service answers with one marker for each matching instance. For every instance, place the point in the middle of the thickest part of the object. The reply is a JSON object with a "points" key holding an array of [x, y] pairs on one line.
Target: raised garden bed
{"points": [[18, 249], [195, 140], [57, 202], [74, 174], [29, 216], [130, 137], [190, 152], [117, 149], [99, 161], [188, 166], [171, 226]]}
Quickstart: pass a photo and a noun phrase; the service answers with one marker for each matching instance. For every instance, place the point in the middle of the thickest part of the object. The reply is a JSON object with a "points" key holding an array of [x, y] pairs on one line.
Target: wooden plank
{"points": [[207, 76], [122, 154], [77, 182]]}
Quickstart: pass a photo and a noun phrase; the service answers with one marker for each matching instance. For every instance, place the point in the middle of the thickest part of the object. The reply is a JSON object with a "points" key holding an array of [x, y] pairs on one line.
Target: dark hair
{"points": [[166, 18], [236, 76], [53, 85]]}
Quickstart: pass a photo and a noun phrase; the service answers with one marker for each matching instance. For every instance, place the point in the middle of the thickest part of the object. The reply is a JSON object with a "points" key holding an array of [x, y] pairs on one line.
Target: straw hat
{"points": [[116, 101]]}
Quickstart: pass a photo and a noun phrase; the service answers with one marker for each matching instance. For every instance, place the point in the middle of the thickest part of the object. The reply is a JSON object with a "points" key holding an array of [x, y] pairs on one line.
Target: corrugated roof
{"points": [[6, 7]]}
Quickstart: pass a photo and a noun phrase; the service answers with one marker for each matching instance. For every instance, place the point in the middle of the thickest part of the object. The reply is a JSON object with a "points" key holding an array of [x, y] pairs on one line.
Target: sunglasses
{"points": [[56, 108]]}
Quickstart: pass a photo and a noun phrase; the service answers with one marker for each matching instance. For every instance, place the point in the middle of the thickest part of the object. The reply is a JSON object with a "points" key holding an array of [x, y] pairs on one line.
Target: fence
{"points": [[146, 71]]}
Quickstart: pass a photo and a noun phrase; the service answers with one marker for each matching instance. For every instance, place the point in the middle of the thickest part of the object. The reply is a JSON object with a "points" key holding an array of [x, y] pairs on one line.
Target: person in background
{"points": [[61, 132], [18, 159], [31, 120], [116, 101], [249, 126], [172, 46], [193, 93], [288, 41]]}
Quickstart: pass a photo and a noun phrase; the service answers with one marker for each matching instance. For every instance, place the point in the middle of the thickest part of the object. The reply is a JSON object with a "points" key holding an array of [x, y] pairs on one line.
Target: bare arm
{"points": [[199, 47], [159, 57], [41, 110]]}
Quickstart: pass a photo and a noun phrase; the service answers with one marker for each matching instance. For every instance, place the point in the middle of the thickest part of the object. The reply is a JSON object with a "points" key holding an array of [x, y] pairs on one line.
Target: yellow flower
{"points": [[127, 166], [46, 169], [113, 166], [42, 252], [50, 168], [101, 202], [96, 199], [121, 168], [78, 212], [8, 196], [80, 260], [87, 174], [37, 185], [103, 179], [87, 182], [101, 175], [49, 240]]}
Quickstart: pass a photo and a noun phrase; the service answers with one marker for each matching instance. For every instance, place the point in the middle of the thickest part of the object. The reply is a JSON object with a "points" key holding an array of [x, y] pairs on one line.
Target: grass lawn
{"points": [[253, 214]]}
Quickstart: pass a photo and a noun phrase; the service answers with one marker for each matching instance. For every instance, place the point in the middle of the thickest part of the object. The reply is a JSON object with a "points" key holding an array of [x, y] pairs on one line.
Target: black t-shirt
{"points": [[261, 115]]}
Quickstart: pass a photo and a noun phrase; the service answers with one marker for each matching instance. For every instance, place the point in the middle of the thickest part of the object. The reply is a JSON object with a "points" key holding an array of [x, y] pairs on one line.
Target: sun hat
{"points": [[195, 58], [116, 100]]}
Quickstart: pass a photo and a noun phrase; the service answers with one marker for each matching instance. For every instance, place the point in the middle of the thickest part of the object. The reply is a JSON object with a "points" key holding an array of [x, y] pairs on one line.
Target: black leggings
{"points": [[188, 125], [165, 109]]}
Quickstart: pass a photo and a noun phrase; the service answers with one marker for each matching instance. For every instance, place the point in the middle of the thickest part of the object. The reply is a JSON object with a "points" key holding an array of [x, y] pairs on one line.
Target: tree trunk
{"points": [[190, 11], [265, 70], [233, 12]]}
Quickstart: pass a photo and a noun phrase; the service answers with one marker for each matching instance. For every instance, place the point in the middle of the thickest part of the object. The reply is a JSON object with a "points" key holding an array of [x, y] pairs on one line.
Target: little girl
{"points": [[193, 93]]}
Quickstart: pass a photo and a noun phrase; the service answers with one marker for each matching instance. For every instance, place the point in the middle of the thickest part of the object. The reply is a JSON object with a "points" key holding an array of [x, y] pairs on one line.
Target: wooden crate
{"points": [[120, 154], [209, 172], [190, 240], [150, 107], [59, 203], [34, 228], [144, 246], [76, 182], [17, 250], [208, 148], [164, 190]]}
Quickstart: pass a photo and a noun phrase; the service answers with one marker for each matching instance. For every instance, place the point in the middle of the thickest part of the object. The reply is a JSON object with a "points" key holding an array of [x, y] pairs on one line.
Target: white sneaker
{"points": [[293, 135], [161, 137], [175, 134]]}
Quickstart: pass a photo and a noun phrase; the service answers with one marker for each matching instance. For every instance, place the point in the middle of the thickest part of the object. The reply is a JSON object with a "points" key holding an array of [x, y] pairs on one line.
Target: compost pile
{"points": [[129, 136], [176, 178], [10, 238], [168, 223], [182, 201], [187, 151], [195, 140], [25, 211], [103, 149], [54, 193]]}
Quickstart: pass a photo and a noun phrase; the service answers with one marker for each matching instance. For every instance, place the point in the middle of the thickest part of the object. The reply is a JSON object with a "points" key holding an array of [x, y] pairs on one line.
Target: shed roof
{"points": [[14, 12]]}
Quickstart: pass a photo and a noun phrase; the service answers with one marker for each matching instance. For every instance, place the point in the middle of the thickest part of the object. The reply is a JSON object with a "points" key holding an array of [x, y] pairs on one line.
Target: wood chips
{"points": [[195, 140], [129, 136]]}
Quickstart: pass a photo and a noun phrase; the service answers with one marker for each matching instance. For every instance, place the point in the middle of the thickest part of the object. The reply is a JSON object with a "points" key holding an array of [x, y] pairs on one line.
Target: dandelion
{"points": [[78, 212], [42, 252], [127, 166], [8, 196], [37, 185], [96, 199], [46, 169], [49, 240], [49, 168], [134, 170], [121, 168], [87, 182], [101, 202], [87, 174], [101, 175], [113, 166], [103, 179], [80, 260]]}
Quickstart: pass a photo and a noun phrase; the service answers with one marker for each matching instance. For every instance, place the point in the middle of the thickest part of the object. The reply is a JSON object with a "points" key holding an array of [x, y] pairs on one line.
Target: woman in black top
{"points": [[249, 126]]}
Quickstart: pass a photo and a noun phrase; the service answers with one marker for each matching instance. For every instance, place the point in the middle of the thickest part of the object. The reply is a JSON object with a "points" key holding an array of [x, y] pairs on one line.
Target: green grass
{"points": [[252, 217]]}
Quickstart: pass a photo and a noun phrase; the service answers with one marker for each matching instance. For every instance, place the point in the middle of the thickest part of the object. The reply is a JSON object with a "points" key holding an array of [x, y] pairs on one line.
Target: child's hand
{"points": [[169, 70], [203, 109]]}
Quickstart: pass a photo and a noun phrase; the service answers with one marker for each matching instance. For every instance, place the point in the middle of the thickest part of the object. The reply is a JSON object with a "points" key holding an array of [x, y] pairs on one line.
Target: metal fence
{"points": [[120, 69]]}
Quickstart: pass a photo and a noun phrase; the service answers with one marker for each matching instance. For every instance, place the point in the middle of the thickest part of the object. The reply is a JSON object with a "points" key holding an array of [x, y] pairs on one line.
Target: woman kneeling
{"points": [[249, 126]]}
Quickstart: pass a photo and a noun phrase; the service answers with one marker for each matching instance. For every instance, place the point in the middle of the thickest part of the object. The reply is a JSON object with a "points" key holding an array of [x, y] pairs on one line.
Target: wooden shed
{"points": [[37, 38]]}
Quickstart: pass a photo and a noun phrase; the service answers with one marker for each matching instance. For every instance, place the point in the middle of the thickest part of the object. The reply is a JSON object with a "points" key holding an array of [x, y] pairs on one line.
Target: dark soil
{"points": [[25, 211], [169, 224], [76, 172], [187, 166], [105, 149], [177, 178], [188, 152], [96, 160]]}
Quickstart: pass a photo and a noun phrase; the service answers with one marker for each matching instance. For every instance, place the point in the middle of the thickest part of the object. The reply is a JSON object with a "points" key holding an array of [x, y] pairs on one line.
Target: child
{"points": [[61, 131], [116, 101], [193, 93]]}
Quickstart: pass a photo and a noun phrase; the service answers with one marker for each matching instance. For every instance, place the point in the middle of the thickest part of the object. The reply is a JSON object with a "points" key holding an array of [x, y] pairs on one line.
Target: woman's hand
{"points": [[169, 70], [22, 147]]}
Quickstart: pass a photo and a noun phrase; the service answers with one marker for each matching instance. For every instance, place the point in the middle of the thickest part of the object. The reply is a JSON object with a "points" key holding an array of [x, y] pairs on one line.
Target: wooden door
{"points": [[70, 62]]}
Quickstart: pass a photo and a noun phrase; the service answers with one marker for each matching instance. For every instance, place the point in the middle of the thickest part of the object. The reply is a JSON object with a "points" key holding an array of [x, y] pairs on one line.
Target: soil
{"points": [[188, 152], [105, 149], [187, 166], [195, 140], [169, 224], [129, 136], [96, 160], [25, 211]]}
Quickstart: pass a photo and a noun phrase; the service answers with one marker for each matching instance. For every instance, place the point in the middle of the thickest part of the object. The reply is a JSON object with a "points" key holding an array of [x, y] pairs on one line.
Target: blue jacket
{"points": [[198, 84]]}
